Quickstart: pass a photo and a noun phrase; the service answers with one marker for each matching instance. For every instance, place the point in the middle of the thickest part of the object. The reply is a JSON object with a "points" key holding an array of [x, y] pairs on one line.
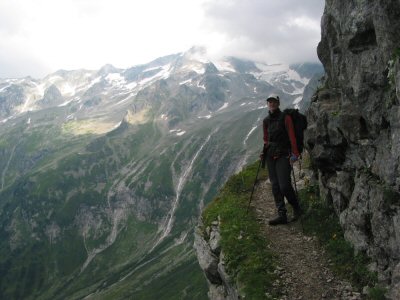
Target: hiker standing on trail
{"points": [[280, 152]]}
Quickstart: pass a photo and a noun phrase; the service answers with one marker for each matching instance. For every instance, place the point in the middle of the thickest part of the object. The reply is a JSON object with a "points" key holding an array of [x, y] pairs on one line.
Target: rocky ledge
{"points": [[211, 260]]}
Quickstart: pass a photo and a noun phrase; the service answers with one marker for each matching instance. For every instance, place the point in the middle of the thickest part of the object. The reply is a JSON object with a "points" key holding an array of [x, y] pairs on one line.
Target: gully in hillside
{"points": [[280, 152]]}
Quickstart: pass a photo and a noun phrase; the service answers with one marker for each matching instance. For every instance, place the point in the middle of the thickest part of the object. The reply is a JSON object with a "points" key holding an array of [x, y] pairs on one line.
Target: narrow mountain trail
{"points": [[303, 268]]}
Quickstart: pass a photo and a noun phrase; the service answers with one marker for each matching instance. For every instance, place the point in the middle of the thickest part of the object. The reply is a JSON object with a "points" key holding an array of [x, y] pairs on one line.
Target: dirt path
{"points": [[303, 268]]}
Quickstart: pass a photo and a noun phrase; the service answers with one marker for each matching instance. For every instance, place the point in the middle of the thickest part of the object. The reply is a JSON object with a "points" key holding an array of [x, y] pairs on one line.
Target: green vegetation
{"points": [[391, 67], [377, 293], [3, 143], [55, 207], [185, 281], [396, 53], [335, 113], [321, 221], [247, 256], [64, 188]]}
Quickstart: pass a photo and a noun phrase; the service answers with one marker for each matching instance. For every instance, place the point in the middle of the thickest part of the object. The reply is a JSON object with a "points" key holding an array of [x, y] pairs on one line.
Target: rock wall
{"points": [[211, 260], [354, 127]]}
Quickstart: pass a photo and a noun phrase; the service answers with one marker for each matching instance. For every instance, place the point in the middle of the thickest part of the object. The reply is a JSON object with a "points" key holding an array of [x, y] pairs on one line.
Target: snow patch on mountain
{"points": [[117, 125], [270, 70], [65, 103], [297, 101], [67, 90], [293, 75], [131, 85], [225, 105], [204, 117], [5, 120], [164, 73], [5, 87], [202, 86], [94, 81], [75, 99], [152, 69], [186, 81], [115, 79], [178, 132], [196, 67], [224, 66], [248, 135], [278, 72]]}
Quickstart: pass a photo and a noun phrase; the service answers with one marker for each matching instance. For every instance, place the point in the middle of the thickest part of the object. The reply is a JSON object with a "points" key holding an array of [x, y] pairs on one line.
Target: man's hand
{"points": [[262, 154], [262, 158]]}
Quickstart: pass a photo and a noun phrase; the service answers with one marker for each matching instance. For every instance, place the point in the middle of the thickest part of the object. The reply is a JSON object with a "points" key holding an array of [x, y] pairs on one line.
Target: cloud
{"points": [[268, 30], [72, 34], [42, 36]]}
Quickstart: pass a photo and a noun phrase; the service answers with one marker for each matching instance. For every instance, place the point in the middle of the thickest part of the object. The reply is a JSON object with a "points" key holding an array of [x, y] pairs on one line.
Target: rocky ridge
{"points": [[354, 129]]}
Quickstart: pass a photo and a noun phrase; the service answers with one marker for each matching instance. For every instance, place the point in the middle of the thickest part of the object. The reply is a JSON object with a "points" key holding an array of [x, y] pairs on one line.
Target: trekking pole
{"points": [[297, 196], [254, 185]]}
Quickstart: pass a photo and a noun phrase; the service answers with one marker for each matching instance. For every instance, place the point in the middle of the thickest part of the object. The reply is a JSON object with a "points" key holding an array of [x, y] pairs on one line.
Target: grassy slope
{"points": [[248, 258]]}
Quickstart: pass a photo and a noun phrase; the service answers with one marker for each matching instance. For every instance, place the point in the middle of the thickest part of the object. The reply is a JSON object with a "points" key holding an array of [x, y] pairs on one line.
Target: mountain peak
{"points": [[243, 66], [108, 68]]}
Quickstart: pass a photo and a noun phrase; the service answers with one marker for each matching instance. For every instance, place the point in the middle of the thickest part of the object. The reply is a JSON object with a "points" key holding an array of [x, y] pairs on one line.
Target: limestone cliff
{"points": [[211, 260], [354, 128]]}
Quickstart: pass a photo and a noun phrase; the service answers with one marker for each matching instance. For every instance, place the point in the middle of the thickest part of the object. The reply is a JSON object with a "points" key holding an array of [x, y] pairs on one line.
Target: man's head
{"points": [[273, 102]]}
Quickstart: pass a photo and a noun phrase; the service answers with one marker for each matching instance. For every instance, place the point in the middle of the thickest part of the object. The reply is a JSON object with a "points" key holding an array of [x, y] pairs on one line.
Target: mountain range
{"points": [[104, 173]]}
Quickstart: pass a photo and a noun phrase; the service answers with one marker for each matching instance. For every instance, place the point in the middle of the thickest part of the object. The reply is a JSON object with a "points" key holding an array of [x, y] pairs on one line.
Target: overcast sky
{"points": [[39, 37]]}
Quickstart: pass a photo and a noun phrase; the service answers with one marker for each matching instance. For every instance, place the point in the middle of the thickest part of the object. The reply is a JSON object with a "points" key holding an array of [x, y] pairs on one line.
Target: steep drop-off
{"points": [[104, 173]]}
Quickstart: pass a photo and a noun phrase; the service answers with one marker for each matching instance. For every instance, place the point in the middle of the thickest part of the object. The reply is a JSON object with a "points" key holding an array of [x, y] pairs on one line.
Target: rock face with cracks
{"points": [[211, 261], [354, 128]]}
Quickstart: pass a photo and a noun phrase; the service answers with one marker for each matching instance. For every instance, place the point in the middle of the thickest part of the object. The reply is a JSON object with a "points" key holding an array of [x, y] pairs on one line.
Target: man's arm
{"points": [[265, 129], [291, 134], [265, 137]]}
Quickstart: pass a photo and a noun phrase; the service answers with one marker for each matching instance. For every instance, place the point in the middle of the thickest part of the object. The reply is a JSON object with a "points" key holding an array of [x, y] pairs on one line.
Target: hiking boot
{"points": [[297, 213], [280, 219]]}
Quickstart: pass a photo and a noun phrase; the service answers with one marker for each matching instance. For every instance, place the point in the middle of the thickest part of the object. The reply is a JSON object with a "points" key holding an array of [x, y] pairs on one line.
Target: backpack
{"points": [[299, 124]]}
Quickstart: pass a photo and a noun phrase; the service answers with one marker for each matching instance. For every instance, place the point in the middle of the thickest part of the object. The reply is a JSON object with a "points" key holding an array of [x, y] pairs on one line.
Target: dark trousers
{"points": [[279, 174]]}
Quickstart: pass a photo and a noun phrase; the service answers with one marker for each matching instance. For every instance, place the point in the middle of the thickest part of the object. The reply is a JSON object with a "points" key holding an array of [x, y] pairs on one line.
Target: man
{"points": [[280, 152]]}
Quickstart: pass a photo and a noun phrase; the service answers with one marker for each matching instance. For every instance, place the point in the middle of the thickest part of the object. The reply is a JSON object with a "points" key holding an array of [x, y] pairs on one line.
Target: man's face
{"points": [[273, 105]]}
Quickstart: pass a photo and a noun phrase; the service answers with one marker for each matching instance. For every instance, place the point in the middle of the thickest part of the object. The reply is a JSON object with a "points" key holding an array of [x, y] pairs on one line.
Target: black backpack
{"points": [[299, 124]]}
